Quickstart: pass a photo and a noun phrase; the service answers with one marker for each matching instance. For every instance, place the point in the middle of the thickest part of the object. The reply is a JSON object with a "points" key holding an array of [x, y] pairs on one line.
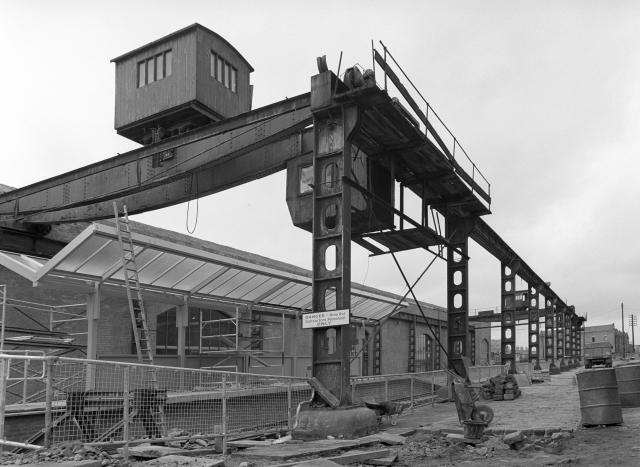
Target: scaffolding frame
{"points": [[241, 344], [46, 337]]}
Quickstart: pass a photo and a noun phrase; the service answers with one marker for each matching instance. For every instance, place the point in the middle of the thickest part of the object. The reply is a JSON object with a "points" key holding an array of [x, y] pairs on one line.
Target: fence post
{"points": [[411, 390], [3, 395], [125, 412], [353, 390], [25, 380], [289, 401], [224, 414], [433, 388], [48, 402]]}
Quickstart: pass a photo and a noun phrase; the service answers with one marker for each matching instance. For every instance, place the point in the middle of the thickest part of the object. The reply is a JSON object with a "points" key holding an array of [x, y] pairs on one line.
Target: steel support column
{"points": [[548, 333], [458, 343], [574, 340], [569, 336], [472, 347], [534, 326], [412, 346], [508, 321], [560, 317], [331, 276]]}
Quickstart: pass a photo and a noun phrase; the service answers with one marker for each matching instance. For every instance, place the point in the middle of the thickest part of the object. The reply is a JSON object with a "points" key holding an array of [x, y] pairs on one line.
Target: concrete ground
{"points": [[549, 405]]}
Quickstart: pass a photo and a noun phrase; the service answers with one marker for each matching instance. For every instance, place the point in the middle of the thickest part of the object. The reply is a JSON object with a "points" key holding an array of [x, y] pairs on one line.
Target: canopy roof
{"points": [[178, 264]]}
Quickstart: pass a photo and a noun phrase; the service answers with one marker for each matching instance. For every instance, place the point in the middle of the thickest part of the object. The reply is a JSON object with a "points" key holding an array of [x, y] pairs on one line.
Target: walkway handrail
{"points": [[429, 109]]}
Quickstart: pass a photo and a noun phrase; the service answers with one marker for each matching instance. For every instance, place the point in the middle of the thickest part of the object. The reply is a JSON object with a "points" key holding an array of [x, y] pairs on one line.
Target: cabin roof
{"points": [[174, 34]]}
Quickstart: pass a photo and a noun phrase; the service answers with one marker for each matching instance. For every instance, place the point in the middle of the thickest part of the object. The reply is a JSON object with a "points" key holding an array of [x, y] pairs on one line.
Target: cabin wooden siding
{"points": [[134, 103], [211, 92], [190, 79]]}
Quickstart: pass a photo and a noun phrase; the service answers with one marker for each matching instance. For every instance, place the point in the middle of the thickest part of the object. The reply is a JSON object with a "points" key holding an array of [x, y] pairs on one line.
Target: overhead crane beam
{"points": [[172, 171], [489, 239]]}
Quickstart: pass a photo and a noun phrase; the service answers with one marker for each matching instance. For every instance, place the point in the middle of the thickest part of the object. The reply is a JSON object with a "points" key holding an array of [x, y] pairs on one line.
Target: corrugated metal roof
{"points": [[168, 262]]}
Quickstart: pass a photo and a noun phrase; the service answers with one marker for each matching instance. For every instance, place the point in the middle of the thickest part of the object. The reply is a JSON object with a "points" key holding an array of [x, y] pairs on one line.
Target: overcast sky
{"points": [[544, 95]]}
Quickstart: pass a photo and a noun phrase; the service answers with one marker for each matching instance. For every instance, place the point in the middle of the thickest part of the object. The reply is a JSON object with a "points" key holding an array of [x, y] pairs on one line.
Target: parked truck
{"points": [[597, 353]]}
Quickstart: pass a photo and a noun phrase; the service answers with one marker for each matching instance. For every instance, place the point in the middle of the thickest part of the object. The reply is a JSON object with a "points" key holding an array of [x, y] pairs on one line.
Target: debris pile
{"points": [[64, 452], [552, 443], [501, 388]]}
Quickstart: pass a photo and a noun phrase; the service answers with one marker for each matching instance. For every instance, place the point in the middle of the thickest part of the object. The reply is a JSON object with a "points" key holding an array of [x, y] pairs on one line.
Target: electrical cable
{"points": [[197, 208], [395, 310], [419, 307]]}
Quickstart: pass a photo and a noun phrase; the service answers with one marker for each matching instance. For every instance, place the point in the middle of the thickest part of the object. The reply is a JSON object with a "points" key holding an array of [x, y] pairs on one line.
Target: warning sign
{"points": [[325, 319]]}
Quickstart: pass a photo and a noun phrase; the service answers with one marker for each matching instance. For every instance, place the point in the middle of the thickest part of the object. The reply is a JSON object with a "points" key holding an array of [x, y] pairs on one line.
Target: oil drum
{"points": [[599, 398], [628, 377]]}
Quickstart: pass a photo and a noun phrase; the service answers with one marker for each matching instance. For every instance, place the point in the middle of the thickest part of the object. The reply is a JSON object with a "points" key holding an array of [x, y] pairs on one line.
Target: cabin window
{"points": [[306, 180], [142, 74], [234, 78], [227, 77], [151, 74], [223, 72], [154, 68]]}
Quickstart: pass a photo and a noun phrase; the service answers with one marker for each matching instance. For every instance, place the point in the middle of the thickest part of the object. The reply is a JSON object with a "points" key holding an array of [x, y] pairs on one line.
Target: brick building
{"points": [[607, 333]]}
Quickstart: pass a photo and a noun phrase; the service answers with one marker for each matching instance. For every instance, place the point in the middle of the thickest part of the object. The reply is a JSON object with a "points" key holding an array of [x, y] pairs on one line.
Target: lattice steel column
{"points": [[457, 231], [412, 345], [534, 326], [574, 340], [560, 326], [567, 338], [377, 344], [508, 322], [472, 335], [333, 127], [548, 333], [436, 349]]}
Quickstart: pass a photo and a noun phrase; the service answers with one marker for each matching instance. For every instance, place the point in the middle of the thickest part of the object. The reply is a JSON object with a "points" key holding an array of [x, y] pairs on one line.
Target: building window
{"points": [[424, 353], [218, 332], [222, 71], [154, 68], [593, 339]]}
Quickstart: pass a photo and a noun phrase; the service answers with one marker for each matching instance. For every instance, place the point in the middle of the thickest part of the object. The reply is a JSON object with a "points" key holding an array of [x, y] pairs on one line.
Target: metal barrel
{"points": [[599, 398], [628, 377]]}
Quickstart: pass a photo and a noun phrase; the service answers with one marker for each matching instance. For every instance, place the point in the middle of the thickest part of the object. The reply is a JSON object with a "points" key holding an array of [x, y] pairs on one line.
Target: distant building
{"points": [[607, 333]]}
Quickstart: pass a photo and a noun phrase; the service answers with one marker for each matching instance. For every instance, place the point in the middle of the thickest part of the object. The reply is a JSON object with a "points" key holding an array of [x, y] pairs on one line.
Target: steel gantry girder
{"points": [[205, 161]]}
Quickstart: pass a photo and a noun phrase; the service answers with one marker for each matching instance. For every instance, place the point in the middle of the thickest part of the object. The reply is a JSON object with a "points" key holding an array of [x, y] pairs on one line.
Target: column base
{"points": [[563, 365], [343, 422], [553, 369]]}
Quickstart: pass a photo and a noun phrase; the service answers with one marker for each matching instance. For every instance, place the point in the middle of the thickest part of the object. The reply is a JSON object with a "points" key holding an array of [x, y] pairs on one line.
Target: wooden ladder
{"points": [[137, 311], [132, 284]]}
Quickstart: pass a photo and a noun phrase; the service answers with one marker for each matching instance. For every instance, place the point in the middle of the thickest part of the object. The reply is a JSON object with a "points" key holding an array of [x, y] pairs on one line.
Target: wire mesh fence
{"points": [[415, 388], [110, 403], [117, 403]]}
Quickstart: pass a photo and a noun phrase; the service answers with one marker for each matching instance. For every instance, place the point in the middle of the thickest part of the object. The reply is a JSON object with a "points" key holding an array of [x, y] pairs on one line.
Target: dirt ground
{"points": [[602, 446]]}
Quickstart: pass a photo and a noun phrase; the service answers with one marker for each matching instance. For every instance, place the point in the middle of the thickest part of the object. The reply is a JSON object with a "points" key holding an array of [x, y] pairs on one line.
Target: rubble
{"points": [[501, 388], [65, 452]]}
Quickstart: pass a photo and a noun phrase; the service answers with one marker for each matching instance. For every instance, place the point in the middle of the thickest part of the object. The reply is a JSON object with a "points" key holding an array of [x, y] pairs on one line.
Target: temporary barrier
{"points": [[599, 399], [628, 377]]}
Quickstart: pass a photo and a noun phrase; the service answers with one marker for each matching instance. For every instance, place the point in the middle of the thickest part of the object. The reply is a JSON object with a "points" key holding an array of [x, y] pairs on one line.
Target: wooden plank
{"points": [[175, 460], [285, 452], [324, 393], [359, 456], [352, 457], [389, 460]]}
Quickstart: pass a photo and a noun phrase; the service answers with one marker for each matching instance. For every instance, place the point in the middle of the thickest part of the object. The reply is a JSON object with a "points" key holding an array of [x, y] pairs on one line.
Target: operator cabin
{"points": [[182, 81]]}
